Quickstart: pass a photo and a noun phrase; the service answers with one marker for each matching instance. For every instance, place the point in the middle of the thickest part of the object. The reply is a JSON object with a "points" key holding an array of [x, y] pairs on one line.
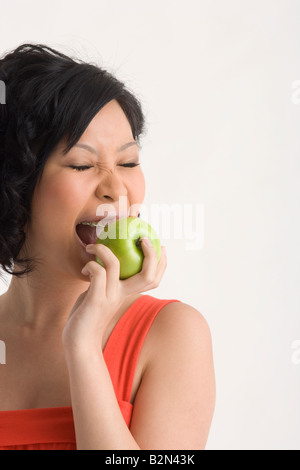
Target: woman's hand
{"points": [[95, 307]]}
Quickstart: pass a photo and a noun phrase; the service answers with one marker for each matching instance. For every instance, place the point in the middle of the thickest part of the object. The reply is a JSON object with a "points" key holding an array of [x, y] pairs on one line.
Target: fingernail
{"points": [[89, 248], [146, 241]]}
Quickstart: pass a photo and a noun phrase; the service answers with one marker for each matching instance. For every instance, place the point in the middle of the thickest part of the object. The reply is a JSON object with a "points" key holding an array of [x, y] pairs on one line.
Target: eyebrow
{"points": [[92, 150]]}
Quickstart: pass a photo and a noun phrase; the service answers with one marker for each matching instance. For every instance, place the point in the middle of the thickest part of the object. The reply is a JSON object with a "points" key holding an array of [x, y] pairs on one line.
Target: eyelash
{"points": [[85, 167]]}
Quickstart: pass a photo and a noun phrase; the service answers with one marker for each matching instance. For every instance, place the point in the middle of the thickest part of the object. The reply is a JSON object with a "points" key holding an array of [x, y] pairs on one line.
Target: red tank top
{"points": [[53, 428]]}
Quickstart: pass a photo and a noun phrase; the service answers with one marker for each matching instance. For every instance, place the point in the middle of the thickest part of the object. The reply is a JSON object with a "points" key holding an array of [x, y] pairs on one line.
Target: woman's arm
{"points": [[99, 424], [98, 420]]}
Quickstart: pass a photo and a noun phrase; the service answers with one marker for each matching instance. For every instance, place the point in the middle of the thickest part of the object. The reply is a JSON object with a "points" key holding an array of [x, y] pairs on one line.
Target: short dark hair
{"points": [[49, 96]]}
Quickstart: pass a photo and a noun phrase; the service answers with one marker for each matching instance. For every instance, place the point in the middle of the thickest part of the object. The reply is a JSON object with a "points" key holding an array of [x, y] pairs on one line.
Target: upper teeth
{"points": [[92, 224]]}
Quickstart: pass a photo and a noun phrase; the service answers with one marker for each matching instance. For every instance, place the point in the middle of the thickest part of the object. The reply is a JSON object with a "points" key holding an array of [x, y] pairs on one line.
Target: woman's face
{"points": [[67, 195]]}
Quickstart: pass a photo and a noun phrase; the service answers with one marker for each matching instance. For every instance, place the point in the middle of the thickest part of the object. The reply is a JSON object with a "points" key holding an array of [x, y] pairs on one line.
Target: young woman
{"points": [[91, 361]]}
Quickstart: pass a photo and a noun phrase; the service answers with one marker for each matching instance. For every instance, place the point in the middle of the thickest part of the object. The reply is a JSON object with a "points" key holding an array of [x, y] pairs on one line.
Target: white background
{"points": [[216, 81]]}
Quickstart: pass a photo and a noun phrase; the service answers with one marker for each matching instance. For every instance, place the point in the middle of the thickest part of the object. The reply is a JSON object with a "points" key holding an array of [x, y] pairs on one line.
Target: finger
{"points": [[161, 268], [112, 267], [97, 275], [146, 277], [150, 261]]}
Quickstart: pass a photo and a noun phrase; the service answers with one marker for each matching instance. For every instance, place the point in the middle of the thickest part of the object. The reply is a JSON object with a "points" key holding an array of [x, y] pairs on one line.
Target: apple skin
{"points": [[122, 237]]}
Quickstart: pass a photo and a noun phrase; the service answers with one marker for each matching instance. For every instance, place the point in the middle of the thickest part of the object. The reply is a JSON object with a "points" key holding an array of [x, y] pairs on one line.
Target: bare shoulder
{"points": [[180, 325]]}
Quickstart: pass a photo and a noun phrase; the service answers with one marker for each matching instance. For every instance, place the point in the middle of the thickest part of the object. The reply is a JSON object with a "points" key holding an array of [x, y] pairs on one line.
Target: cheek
{"points": [[56, 198], [137, 188], [136, 194]]}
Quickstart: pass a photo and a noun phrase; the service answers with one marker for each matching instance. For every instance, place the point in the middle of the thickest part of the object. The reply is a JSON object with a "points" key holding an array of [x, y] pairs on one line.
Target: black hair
{"points": [[48, 96]]}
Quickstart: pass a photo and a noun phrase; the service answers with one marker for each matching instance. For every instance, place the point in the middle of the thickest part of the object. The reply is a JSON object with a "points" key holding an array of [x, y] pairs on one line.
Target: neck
{"points": [[40, 300]]}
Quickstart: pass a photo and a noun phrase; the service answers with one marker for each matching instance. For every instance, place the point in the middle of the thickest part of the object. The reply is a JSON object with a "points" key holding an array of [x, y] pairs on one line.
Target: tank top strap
{"points": [[126, 340]]}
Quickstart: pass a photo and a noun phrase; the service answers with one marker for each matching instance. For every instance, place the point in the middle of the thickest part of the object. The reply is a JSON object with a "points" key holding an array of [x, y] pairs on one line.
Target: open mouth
{"points": [[88, 232]]}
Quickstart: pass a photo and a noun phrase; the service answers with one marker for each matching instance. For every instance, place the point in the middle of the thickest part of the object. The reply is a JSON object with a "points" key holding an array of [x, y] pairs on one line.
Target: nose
{"points": [[110, 187]]}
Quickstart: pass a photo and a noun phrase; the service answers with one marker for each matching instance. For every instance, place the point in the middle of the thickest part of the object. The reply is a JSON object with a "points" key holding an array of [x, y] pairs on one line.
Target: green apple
{"points": [[123, 237]]}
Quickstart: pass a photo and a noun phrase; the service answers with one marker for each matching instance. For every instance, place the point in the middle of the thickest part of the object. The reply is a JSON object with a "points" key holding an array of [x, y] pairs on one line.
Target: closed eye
{"points": [[130, 165], [86, 167], [80, 168]]}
